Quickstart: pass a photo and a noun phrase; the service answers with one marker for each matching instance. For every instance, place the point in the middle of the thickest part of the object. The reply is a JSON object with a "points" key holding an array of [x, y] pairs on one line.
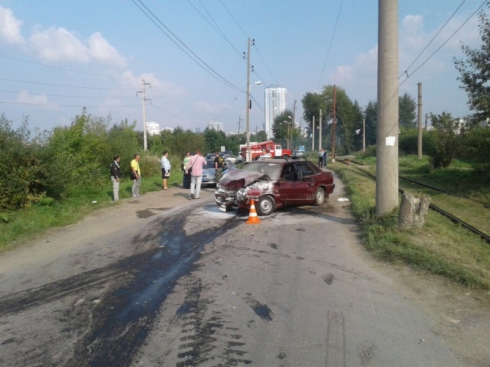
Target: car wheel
{"points": [[319, 196], [266, 205], [285, 156]]}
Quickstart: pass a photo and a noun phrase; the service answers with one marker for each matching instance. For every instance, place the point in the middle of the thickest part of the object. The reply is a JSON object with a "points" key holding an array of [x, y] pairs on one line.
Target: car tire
{"points": [[266, 206], [285, 156], [319, 196]]}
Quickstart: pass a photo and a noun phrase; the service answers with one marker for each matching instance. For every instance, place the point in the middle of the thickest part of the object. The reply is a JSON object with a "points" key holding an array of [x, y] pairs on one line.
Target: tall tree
{"points": [[281, 123], [407, 107], [370, 114], [475, 71]]}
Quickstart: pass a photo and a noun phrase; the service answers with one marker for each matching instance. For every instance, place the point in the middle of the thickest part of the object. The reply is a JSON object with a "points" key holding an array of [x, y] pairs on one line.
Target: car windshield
{"points": [[270, 169]]}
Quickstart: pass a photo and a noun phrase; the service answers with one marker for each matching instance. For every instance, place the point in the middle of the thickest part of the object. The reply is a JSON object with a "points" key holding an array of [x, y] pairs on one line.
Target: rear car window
{"points": [[304, 169]]}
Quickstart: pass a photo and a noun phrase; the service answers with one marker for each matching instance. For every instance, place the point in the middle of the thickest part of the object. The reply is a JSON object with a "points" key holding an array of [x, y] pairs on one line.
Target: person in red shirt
{"points": [[194, 167]]}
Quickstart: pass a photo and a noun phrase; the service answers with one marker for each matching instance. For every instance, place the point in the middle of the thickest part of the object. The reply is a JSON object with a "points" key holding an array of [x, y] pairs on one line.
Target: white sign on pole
{"points": [[223, 148]]}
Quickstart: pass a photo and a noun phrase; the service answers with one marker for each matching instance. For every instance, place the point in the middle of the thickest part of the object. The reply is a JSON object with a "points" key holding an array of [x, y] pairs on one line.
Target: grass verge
{"points": [[441, 247], [18, 226]]}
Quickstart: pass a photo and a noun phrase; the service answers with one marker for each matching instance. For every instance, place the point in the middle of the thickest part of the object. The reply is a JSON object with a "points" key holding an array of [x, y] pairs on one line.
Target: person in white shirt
{"points": [[265, 154], [165, 170]]}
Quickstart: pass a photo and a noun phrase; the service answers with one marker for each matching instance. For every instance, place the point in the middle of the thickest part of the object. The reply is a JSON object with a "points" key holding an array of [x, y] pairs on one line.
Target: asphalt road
{"points": [[197, 287]]}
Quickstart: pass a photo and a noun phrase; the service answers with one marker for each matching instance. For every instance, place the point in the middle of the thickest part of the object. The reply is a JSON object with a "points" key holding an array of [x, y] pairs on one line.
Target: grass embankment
{"points": [[473, 186], [441, 247], [21, 225]]}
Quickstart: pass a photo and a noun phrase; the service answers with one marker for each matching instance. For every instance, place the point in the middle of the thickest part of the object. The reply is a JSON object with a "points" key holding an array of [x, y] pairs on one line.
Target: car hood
{"points": [[234, 175]]}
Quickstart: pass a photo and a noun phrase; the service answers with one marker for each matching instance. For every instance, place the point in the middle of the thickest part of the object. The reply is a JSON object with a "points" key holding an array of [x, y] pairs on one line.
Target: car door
{"points": [[307, 176], [290, 185]]}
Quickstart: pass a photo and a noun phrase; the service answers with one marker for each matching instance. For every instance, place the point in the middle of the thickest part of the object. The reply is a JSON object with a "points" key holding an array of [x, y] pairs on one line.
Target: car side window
{"points": [[289, 173], [304, 169]]}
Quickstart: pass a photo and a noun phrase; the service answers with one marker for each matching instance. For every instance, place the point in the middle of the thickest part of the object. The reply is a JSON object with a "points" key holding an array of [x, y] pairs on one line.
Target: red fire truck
{"points": [[274, 149]]}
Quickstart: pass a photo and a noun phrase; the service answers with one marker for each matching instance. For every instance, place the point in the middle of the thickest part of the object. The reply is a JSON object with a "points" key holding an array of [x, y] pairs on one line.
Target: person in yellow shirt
{"points": [[136, 175]]}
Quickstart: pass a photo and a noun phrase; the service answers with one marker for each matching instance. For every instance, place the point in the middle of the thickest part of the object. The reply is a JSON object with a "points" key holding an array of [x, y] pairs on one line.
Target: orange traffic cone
{"points": [[252, 217]]}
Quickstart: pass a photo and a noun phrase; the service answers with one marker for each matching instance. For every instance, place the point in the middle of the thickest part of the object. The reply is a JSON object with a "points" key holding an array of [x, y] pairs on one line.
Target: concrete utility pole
{"points": [[313, 135], [247, 116], [426, 121], [334, 121], [419, 146], [387, 135], [292, 124], [144, 99], [320, 120], [363, 135]]}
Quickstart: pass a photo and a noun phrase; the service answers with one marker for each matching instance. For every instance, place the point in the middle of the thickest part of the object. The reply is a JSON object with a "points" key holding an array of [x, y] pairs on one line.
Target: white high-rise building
{"points": [[275, 104], [153, 128], [216, 125]]}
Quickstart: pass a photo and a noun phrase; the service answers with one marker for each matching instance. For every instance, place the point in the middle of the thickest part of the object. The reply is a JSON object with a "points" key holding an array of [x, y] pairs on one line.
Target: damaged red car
{"points": [[274, 183]]}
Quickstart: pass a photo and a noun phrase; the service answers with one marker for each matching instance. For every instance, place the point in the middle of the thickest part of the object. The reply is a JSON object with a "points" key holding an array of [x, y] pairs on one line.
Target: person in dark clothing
{"points": [[320, 158], [116, 175], [324, 158], [218, 165], [186, 184]]}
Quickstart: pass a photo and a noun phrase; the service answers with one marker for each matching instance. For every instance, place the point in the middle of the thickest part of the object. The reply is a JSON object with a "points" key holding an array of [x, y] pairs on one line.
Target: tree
{"points": [[371, 116], [214, 139], [281, 124], [445, 142], [407, 107], [475, 71]]}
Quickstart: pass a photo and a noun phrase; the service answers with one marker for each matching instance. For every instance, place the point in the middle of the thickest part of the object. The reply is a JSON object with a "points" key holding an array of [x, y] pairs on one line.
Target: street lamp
{"points": [[248, 158]]}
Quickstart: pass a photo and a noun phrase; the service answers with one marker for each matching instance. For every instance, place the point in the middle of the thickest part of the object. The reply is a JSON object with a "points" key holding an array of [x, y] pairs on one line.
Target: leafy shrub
{"points": [[445, 141]]}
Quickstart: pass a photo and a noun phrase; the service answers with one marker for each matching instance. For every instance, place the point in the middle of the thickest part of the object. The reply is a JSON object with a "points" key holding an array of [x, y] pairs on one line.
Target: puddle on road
{"points": [[126, 315]]}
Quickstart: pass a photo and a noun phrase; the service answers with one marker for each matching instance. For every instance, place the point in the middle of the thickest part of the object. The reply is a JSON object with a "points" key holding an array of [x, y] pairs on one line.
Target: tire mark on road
{"points": [[335, 355]]}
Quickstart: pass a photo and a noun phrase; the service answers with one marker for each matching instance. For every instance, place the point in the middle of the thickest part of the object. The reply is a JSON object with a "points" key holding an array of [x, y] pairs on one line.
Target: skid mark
{"points": [[261, 310], [335, 355]]}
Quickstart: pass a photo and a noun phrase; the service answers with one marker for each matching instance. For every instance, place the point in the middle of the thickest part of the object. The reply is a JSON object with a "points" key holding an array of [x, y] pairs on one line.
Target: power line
{"points": [[245, 33], [56, 106], [330, 46], [65, 96], [446, 41], [62, 85], [433, 38], [216, 27], [60, 68], [182, 45]]}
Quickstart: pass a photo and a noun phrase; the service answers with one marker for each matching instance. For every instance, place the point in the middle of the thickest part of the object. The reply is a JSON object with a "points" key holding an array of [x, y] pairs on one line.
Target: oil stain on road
{"points": [[124, 318]]}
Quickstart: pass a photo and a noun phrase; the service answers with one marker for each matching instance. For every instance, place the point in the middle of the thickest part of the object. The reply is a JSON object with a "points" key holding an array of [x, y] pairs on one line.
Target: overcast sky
{"points": [[57, 56]]}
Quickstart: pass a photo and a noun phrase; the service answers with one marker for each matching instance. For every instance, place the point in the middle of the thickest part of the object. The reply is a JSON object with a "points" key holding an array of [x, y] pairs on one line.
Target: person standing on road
{"points": [[187, 179], [218, 165], [320, 158], [136, 175], [116, 175], [265, 154], [165, 169], [324, 158], [194, 168]]}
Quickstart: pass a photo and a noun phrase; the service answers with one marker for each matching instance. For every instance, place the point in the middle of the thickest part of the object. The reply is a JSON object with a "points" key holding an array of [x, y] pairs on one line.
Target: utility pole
{"points": [[247, 116], [333, 121], [426, 121], [313, 135], [292, 124], [387, 134], [363, 134], [320, 132], [419, 146], [144, 99]]}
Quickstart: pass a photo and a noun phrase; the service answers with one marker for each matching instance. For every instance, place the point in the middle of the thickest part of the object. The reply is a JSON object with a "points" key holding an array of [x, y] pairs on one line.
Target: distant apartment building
{"points": [[215, 125], [153, 128], [275, 104]]}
